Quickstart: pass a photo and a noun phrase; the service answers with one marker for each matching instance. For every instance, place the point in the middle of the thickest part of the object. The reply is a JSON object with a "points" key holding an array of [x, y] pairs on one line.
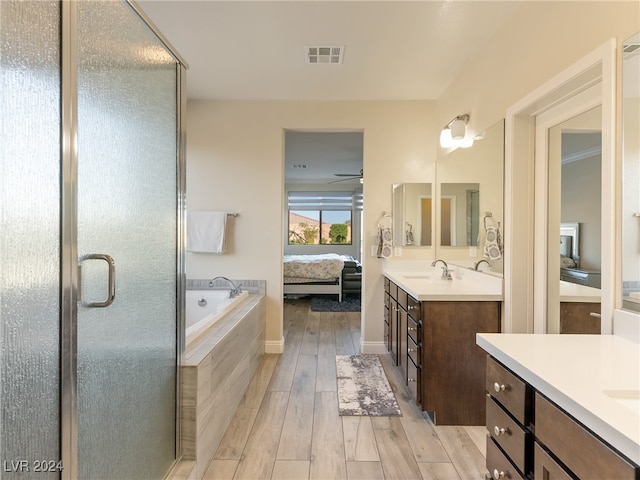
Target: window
{"points": [[322, 218]]}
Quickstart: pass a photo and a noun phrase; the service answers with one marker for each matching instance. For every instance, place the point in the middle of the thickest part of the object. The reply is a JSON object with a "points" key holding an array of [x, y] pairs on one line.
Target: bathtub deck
{"points": [[288, 427]]}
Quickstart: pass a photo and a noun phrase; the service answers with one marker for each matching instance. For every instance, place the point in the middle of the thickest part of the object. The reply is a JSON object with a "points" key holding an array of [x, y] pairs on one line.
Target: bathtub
{"points": [[203, 308]]}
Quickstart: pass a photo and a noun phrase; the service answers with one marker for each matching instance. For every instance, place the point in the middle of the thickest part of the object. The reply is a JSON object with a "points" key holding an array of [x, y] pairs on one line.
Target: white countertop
{"points": [[594, 378], [573, 292], [425, 284]]}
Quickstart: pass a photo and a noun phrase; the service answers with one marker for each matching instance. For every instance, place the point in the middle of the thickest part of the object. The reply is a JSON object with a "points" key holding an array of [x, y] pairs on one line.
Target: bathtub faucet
{"points": [[235, 289]]}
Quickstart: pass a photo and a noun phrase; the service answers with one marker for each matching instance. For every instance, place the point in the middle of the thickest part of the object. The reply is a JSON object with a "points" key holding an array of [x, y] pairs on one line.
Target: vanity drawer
{"points": [[508, 390], [507, 433], [393, 290], [546, 467], [498, 465], [413, 329], [402, 298], [414, 308], [576, 447], [413, 380], [413, 350]]}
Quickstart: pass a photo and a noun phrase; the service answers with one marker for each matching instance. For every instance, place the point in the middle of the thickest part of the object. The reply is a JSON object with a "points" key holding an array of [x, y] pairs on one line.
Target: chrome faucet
{"points": [[446, 273], [477, 265], [235, 289]]}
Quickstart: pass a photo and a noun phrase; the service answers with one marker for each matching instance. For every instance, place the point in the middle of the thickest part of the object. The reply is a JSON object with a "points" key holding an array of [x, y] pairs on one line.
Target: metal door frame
{"points": [[69, 278]]}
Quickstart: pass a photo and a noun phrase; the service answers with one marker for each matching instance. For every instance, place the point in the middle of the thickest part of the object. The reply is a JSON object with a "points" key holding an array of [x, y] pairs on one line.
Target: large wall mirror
{"points": [[469, 214], [631, 174], [412, 215]]}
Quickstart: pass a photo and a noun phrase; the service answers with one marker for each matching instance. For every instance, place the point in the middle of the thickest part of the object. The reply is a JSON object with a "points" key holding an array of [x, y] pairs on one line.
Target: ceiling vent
{"points": [[317, 54]]}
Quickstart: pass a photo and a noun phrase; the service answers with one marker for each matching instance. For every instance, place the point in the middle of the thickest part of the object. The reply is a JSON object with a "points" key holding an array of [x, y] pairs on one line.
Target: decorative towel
{"points": [[206, 232], [384, 242], [492, 243]]}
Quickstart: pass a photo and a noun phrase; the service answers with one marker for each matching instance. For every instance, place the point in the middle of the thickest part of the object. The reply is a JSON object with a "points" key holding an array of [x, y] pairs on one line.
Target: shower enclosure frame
{"points": [[69, 274]]}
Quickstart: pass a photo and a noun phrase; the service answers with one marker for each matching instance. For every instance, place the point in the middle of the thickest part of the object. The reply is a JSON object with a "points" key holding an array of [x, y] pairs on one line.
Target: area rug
{"points": [[324, 304], [363, 388]]}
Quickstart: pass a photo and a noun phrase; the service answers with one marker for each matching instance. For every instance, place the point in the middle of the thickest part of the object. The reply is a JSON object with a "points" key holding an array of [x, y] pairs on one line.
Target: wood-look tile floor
{"points": [[288, 426]]}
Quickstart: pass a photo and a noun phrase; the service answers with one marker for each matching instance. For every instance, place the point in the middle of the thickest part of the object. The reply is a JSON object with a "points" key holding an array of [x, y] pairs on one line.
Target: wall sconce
{"points": [[454, 133]]}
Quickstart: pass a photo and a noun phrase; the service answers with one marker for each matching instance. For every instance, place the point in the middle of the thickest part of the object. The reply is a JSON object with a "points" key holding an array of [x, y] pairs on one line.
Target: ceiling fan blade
{"points": [[351, 177]]}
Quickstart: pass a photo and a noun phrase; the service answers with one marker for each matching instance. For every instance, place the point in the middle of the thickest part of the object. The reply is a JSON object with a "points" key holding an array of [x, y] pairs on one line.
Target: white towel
{"points": [[206, 232], [492, 243]]}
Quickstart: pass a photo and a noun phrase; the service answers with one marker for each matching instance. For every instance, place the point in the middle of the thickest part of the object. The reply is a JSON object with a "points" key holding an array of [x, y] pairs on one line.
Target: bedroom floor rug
{"points": [[363, 388], [323, 304]]}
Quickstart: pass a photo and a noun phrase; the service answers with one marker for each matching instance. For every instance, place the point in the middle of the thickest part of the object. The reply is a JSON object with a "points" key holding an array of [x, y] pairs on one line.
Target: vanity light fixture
{"points": [[454, 133]]}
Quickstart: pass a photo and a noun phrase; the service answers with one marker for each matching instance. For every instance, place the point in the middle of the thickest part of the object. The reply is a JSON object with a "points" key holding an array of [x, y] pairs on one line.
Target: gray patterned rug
{"points": [[363, 388]]}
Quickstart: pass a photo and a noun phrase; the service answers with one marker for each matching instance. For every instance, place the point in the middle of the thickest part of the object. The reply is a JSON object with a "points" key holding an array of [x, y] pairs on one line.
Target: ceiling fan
{"points": [[348, 176]]}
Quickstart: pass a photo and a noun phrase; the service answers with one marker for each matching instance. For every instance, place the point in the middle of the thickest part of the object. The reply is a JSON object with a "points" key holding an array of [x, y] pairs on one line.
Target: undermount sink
{"points": [[629, 399], [418, 277]]}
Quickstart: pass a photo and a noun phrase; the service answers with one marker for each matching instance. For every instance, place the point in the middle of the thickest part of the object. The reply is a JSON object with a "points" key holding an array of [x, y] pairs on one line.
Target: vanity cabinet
{"points": [[531, 437], [433, 345], [580, 317]]}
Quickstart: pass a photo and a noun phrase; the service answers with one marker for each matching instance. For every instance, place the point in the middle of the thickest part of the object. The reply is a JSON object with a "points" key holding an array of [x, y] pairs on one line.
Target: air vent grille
{"points": [[630, 49], [316, 54]]}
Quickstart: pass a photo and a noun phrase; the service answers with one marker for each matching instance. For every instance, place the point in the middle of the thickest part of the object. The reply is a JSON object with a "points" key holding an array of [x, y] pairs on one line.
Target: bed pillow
{"points": [[567, 262]]}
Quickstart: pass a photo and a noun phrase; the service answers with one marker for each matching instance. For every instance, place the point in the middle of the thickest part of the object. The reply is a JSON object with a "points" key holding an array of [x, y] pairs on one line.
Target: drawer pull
{"points": [[412, 307], [498, 387], [411, 379], [500, 431], [412, 329], [412, 349], [497, 475]]}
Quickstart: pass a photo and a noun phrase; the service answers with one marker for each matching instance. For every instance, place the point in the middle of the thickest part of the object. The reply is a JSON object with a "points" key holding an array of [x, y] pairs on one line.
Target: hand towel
{"points": [[206, 232], [492, 243], [384, 242]]}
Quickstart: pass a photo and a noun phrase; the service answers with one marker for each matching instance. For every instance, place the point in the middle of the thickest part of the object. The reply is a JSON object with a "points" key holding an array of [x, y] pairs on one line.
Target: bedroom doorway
{"points": [[323, 181]]}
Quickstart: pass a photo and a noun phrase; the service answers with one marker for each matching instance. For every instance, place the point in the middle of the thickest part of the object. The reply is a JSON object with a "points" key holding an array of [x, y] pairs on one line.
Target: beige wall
{"points": [[235, 158], [235, 149], [539, 41]]}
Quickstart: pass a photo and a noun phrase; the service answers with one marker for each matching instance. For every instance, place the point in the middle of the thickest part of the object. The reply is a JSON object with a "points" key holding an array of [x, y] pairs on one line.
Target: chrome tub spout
{"points": [[235, 289]]}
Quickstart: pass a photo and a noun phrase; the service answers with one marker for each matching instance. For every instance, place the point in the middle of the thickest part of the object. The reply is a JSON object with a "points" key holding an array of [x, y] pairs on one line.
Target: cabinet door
{"points": [[402, 342], [546, 467], [393, 327]]}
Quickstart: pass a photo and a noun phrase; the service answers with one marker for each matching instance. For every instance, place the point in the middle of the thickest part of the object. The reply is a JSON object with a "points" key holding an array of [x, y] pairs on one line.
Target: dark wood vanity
{"points": [[580, 317], [529, 436], [433, 343]]}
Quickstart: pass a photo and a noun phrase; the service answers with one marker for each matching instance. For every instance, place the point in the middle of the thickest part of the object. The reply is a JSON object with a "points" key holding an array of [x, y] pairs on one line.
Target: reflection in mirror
{"points": [[459, 214], [412, 215], [574, 224], [631, 174], [473, 179]]}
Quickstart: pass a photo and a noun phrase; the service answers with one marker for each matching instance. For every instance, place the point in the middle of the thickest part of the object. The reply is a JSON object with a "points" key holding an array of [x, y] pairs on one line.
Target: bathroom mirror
{"points": [[459, 214], [631, 174], [412, 215], [472, 178]]}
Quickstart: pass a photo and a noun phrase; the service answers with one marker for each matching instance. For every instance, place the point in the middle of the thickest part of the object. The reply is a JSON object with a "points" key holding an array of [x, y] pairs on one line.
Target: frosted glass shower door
{"points": [[126, 211]]}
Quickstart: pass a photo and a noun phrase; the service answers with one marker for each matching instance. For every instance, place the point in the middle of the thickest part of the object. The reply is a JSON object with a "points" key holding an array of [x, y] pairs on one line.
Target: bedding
{"points": [[313, 268], [314, 274]]}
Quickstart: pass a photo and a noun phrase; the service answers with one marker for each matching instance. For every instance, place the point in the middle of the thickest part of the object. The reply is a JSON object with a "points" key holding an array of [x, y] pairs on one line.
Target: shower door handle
{"points": [[111, 294]]}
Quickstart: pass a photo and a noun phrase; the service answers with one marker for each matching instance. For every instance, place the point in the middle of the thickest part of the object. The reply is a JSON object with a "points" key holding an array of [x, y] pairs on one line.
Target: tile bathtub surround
{"points": [[251, 286], [216, 372]]}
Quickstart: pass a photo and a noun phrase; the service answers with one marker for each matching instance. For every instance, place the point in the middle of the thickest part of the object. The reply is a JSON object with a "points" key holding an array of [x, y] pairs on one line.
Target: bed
{"points": [[314, 274]]}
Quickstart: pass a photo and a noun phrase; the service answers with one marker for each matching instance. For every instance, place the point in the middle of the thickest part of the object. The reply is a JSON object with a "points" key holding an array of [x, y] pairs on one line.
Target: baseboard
{"points": [[377, 348], [271, 346]]}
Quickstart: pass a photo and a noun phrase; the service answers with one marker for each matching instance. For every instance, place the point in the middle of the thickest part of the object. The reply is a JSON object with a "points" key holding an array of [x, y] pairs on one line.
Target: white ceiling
{"points": [[393, 50]]}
